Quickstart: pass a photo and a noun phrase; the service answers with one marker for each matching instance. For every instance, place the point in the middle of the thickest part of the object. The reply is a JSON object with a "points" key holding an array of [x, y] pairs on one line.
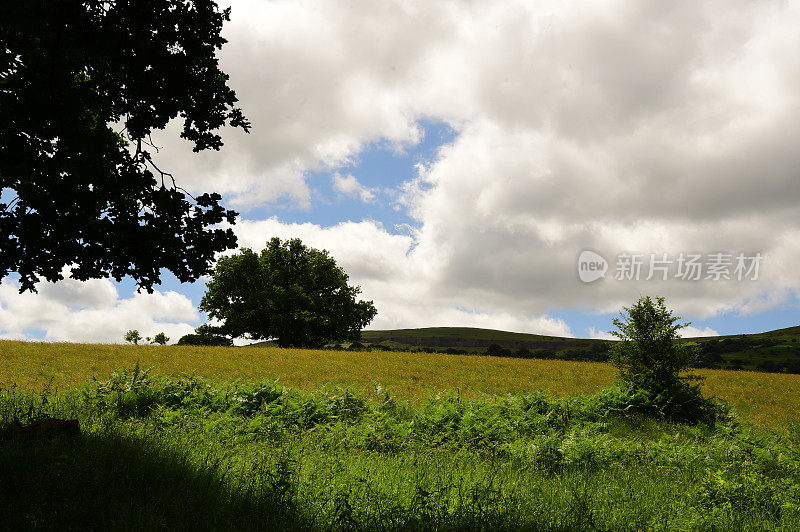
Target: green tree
{"points": [[653, 364], [82, 86], [204, 335], [133, 337], [650, 354], [291, 293], [160, 339]]}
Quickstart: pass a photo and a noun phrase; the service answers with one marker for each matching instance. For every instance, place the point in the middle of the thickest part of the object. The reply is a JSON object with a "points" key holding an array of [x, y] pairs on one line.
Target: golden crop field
{"points": [[767, 399]]}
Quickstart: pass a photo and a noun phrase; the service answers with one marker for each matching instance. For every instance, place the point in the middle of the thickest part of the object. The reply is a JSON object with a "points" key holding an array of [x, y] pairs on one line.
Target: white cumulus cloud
{"points": [[693, 332], [597, 334], [348, 185], [621, 127], [91, 311], [612, 125]]}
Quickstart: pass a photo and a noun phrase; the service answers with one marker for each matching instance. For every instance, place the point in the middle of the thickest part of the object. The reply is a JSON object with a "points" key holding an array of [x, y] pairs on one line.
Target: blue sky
{"points": [[456, 159], [379, 166]]}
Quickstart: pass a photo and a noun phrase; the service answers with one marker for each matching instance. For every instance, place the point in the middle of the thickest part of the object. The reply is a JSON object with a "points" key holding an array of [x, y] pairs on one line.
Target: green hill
{"points": [[442, 337], [773, 351], [469, 340]]}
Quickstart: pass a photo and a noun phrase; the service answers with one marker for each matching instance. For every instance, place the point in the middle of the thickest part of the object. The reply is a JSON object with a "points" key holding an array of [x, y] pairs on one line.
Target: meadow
{"points": [[766, 399], [266, 439]]}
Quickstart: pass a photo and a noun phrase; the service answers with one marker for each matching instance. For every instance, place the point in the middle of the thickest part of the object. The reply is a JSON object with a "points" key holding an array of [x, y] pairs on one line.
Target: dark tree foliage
{"points": [[497, 350], [649, 354], [83, 83], [653, 363], [204, 335], [205, 338], [291, 293]]}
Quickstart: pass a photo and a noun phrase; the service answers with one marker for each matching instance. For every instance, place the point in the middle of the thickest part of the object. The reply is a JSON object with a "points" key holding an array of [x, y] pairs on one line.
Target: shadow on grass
{"points": [[117, 482]]}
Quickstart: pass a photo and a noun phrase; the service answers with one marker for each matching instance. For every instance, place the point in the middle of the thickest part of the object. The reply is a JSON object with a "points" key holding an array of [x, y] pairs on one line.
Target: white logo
{"points": [[591, 266]]}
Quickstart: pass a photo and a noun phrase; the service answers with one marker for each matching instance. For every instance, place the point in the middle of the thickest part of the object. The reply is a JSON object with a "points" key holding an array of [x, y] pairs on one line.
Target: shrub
{"points": [[652, 362], [546, 354], [204, 335], [793, 366], [128, 394], [208, 340], [497, 351], [682, 404]]}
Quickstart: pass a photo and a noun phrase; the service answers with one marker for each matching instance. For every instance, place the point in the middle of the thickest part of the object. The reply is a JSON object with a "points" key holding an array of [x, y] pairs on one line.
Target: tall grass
{"points": [[767, 399], [181, 453]]}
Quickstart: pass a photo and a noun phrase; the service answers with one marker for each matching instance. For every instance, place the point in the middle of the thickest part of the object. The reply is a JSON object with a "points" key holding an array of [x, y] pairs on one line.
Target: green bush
{"points": [[205, 335], [680, 403], [200, 339], [652, 362]]}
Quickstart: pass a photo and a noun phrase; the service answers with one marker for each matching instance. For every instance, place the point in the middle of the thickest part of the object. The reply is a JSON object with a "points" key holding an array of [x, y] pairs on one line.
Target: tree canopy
{"points": [[83, 84], [653, 361], [650, 354], [204, 335], [289, 292]]}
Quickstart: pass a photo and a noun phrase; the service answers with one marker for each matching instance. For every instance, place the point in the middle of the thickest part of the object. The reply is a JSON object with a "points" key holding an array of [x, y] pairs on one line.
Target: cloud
{"points": [[348, 185], [91, 294], [686, 332], [91, 311], [694, 332], [600, 335], [616, 126]]}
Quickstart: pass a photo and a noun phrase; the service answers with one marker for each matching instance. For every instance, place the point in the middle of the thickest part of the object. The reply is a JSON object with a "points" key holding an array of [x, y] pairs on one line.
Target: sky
{"points": [[515, 165]]}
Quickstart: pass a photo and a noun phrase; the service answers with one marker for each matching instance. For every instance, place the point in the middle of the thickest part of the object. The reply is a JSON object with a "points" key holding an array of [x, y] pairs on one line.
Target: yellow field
{"points": [[767, 399]]}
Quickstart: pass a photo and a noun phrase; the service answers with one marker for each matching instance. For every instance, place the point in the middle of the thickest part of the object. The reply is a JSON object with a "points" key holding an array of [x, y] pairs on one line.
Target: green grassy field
{"points": [[457, 443], [766, 399]]}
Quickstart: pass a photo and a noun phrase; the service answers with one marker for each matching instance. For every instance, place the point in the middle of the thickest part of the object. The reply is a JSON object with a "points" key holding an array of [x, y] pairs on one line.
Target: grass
{"points": [[185, 454], [456, 443], [766, 399]]}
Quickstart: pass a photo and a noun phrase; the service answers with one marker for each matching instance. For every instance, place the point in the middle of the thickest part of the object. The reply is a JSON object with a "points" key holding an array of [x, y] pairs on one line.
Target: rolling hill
{"points": [[773, 351]]}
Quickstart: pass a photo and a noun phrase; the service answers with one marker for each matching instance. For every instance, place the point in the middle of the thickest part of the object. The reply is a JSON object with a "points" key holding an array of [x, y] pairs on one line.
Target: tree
{"points": [[653, 361], [204, 335], [291, 293], [160, 339], [650, 355], [82, 86], [133, 337]]}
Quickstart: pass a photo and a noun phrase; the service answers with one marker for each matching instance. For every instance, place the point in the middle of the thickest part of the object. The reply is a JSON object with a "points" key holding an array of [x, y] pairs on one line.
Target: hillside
{"points": [[473, 337], [772, 351]]}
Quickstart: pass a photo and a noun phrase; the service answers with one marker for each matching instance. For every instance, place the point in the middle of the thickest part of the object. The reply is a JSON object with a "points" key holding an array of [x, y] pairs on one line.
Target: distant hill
{"points": [[469, 340], [775, 351], [472, 337]]}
